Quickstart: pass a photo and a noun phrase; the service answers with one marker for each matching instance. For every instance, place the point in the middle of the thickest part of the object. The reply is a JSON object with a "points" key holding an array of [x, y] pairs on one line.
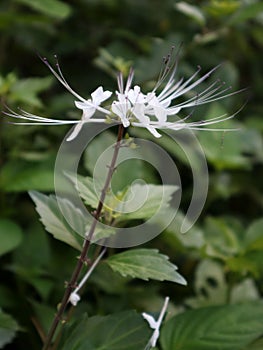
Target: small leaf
{"points": [[145, 264], [53, 8], [8, 329], [126, 330], [10, 236], [228, 327]]}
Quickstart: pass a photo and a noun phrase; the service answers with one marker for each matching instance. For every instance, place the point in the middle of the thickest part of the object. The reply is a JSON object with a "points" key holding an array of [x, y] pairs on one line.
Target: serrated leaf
{"points": [[143, 201], [85, 187], [228, 327], [55, 223], [136, 202], [8, 329], [53, 8], [126, 330], [145, 264], [10, 236], [53, 220]]}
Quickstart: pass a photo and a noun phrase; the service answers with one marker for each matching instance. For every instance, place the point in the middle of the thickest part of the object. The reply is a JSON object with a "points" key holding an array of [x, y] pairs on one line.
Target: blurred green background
{"points": [[93, 40]]}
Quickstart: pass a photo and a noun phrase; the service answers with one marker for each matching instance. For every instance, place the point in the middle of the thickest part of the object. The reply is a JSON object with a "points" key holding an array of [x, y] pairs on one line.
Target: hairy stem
{"points": [[82, 259]]}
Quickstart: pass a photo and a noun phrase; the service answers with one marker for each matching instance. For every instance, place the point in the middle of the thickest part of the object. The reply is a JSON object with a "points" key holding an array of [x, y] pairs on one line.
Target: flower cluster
{"points": [[153, 111]]}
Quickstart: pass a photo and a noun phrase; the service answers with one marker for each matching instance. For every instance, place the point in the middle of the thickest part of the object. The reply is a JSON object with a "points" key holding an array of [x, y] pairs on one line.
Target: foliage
{"points": [[220, 257]]}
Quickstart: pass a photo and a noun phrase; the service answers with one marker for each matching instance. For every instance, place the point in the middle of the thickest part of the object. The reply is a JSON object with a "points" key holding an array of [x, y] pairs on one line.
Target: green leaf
{"points": [[254, 236], [8, 329], [26, 90], [106, 279], [143, 201], [126, 330], [53, 8], [245, 291], [222, 237], [55, 223], [249, 263], [246, 12], [85, 187], [136, 202], [194, 238], [257, 345], [145, 264], [10, 236], [53, 220], [228, 327], [17, 176]]}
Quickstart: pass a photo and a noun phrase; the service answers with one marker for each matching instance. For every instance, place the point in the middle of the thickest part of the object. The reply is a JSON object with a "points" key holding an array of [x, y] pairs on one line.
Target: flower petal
{"points": [[99, 95], [76, 131]]}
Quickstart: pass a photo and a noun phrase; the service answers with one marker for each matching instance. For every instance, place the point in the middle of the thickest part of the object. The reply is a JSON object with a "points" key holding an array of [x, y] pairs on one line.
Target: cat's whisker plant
{"points": [[153, 111]]}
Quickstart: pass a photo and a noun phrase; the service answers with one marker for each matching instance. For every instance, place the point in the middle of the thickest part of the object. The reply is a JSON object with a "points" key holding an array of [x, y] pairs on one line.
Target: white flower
{"points": [[89, 107], [74, 298], [155, 325], [153, 111]]}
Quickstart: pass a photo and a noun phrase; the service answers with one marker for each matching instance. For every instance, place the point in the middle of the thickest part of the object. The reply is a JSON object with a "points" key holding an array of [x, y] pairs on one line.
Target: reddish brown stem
{"points": [[81, 261]]}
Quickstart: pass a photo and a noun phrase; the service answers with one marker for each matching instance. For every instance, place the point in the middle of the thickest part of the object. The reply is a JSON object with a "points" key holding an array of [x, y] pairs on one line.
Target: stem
{"points": [[82, 260]]}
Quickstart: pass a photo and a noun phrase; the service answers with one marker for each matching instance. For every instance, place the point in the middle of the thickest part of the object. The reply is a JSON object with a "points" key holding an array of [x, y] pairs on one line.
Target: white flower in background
{"points": [[153, 111]]}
